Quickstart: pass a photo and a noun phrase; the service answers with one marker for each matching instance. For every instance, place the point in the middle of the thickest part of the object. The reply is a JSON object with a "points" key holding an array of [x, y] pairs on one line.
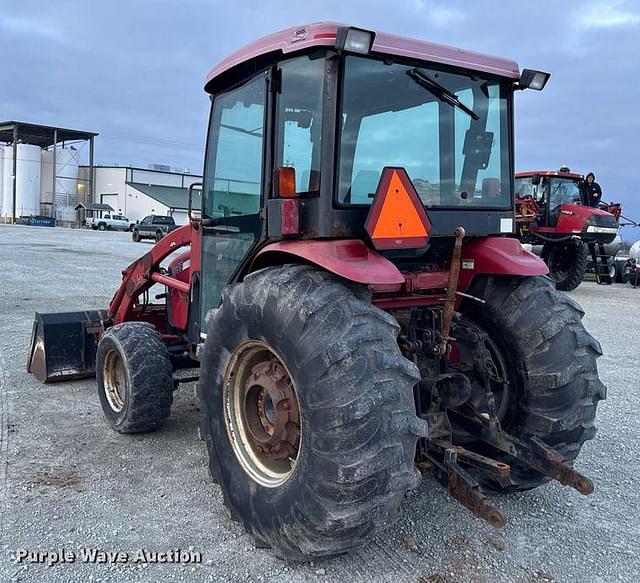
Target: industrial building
{"points": [[138, 192], [47, 171], [39, 171]]}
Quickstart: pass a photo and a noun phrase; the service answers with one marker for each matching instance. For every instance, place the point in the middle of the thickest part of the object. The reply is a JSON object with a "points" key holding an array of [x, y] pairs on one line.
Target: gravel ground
{"points": [[70, 482]]}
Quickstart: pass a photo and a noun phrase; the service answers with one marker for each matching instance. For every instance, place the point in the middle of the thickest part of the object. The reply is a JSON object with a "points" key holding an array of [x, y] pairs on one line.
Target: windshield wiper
{"points": [[440, 91]]}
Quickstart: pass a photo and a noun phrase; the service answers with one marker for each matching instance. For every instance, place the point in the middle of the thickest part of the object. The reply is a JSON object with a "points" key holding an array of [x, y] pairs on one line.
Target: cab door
{"points": [[233, 185]]}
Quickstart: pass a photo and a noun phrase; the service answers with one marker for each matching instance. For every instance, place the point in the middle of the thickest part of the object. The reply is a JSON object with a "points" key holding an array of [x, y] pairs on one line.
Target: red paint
{"points": [[398, 302], [573, 217], [289, 217], [348, 258], [426, 280], [322, 34], [138, 277], [529, 173], [171, 282], [498, 256], [180, 268]]}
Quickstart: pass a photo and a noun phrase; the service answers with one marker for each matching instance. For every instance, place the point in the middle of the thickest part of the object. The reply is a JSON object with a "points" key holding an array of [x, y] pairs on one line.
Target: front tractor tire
{"points": [[553, 384], [135, 377], [308, 411], [567, 262]]}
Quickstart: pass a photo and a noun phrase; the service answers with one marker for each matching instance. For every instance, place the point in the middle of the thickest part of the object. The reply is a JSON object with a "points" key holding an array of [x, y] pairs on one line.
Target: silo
{"points": [[7, 182], [28, 180], [1, 182], [66, 183], [46, 180]]}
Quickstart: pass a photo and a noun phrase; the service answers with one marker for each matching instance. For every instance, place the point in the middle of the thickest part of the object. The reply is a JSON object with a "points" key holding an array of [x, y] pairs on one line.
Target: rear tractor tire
{"points": [[308, 411], [135, 377], [550, 359], [567, 262]]}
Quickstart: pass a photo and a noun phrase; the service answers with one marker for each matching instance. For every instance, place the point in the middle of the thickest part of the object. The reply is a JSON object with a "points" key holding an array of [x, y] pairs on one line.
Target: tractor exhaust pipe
{"points": [[63, 345]]}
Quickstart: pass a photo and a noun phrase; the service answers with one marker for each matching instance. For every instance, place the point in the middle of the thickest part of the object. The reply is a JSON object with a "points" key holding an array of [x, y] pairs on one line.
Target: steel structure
{"points": [[15, 132]]}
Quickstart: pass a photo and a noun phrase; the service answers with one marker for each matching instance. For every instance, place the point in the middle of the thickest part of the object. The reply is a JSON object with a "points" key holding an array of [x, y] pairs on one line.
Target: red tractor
{"points": [[352, 294], [553, 209]]}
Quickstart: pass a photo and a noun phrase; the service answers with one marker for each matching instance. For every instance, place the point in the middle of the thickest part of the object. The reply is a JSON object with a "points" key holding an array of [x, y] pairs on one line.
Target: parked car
{"points": [[110, 221], [153, 227]]}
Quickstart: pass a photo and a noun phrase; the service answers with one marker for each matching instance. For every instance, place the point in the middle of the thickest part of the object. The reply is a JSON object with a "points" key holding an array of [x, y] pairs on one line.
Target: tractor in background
{"points": [[553, 209], [350, 295]]}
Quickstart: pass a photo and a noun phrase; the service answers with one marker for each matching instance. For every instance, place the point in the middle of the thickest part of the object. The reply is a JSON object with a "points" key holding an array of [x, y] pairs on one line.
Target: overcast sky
{"points": [[133, 70]]}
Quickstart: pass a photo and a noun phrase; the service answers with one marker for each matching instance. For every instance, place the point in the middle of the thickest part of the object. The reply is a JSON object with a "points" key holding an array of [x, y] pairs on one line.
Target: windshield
{"points": [[397, 115], [565, 191]]}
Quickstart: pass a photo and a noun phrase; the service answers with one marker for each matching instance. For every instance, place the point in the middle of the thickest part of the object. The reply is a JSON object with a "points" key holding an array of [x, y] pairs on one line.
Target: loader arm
{"points": [[145, 272]]}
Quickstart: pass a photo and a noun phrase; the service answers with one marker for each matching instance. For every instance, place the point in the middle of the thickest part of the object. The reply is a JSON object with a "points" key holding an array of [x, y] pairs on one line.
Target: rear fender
{"points": [[348, 258], [497, 256]]}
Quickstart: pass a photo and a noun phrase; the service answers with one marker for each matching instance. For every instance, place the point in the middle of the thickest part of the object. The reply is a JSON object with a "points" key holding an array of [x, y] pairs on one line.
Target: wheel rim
{"points": [[115, 380], [262, 414], [499, 378], [499, 383]]}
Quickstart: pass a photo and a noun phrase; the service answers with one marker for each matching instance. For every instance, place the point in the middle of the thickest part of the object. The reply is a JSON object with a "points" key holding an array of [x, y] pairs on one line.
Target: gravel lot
{"points": [[69, 481]]}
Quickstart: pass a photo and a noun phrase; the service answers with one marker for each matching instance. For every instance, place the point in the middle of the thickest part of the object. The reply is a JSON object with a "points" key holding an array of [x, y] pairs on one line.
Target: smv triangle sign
{"points": [[397, 219]]}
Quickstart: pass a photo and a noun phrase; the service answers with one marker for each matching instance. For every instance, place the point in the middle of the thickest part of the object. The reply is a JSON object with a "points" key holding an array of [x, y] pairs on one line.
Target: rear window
{"points": [[163, 220]]}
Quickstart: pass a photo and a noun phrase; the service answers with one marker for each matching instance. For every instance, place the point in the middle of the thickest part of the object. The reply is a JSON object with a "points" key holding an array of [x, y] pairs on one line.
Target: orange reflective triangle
{"points": [[397, 218]]}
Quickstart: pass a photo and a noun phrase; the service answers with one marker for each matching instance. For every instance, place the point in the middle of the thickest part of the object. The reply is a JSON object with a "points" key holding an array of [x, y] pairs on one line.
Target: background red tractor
{"points": [[553, 209], [352, 294]]}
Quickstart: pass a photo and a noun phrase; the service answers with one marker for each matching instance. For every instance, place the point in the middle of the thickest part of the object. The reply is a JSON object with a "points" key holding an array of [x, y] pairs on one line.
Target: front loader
{"points": [[352, 293]]}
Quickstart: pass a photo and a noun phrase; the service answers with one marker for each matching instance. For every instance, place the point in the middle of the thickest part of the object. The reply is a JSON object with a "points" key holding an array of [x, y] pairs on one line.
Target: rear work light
{"points": [[354, 40], [531, 79]]}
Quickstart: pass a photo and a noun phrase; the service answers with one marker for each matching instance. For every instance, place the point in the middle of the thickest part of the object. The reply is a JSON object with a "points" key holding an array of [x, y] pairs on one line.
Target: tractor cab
{"points": [[304, 123]]}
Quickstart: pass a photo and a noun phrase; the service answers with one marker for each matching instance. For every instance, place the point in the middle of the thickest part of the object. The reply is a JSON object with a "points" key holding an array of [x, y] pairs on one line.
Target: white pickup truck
{"points": [[111, 221]]}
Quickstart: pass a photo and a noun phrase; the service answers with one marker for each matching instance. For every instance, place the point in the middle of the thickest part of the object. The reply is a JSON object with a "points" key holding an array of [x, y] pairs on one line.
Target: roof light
{"points": [[531, 79], [354, 40]]}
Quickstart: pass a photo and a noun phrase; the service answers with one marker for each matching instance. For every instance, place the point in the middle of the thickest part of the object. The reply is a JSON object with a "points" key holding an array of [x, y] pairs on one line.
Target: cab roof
{"points": [[529, 173], [323, 34]]}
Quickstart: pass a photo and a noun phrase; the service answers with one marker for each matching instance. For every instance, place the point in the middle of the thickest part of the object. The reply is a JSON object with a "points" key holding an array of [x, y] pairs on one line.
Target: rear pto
{"points": [[352, 294]]}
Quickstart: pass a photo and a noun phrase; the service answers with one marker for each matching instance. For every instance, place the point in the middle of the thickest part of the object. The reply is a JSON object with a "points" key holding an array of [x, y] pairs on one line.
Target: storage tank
{"points": [[46, 179], [634, 252], [28, 180], [1, 183], [7, 183], [66, 192], [67, 164]]}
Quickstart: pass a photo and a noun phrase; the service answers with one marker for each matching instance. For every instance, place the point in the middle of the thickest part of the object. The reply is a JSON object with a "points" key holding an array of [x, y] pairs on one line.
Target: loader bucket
{"points": [[63, 345]]}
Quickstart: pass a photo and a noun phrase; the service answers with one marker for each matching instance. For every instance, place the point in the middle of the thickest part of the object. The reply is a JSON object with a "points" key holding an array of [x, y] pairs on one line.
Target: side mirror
{"points": [[536, 179], [192, 186]]}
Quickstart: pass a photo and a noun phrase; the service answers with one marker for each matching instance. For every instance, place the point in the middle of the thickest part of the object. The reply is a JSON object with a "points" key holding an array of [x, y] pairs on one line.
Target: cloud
{"points": [[28, 27], [608, 14], [439, 16]]}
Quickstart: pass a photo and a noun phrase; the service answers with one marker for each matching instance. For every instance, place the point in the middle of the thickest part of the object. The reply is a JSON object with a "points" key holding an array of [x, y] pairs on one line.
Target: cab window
{"points": [[234, 164], [299, 119]]}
